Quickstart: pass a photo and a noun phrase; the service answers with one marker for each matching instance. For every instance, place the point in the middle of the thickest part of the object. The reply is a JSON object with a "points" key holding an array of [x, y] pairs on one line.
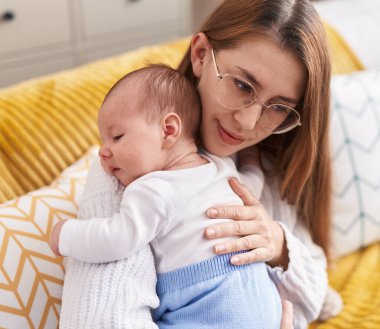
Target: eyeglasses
{"points": [[236, 93]]}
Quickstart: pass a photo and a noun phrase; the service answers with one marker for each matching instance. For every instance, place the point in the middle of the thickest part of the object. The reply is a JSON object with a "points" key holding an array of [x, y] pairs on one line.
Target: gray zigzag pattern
{"points": [[345, 113]]}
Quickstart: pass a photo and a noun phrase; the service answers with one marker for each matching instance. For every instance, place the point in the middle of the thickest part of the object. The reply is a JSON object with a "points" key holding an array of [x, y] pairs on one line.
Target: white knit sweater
{"points": [[116, 295]]}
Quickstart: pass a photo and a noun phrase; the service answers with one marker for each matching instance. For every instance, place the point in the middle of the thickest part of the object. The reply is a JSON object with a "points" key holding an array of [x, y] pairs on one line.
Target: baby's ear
{"points": [[172, 129]]}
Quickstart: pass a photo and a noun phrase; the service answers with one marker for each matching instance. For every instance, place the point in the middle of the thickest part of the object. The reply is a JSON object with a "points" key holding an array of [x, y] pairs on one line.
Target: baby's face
{"points": [[131, 146]]}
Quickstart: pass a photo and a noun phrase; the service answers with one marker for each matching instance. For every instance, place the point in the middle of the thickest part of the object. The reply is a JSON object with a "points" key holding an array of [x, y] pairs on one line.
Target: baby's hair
{"points": [[163, 90]]}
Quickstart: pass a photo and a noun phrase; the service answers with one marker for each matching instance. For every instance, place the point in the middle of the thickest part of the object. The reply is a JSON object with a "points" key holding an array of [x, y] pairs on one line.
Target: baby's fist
{"points": [[54, 237]]}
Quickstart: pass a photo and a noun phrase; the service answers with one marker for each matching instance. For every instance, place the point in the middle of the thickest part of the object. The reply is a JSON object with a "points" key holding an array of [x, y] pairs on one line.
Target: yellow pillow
{"points": [[344, 60], [31, 276]]}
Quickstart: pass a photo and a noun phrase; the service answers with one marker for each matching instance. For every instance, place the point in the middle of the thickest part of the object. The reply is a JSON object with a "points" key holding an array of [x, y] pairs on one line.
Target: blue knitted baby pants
{"points": [[216, 294]]}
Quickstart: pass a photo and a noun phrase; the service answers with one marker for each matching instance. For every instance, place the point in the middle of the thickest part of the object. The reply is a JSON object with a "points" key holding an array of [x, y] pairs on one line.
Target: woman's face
{"points": [[276, 74]]}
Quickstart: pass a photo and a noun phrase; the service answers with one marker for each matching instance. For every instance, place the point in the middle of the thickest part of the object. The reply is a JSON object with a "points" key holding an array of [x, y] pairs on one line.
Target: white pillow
{"points": [[31, 276], [355, 137]]}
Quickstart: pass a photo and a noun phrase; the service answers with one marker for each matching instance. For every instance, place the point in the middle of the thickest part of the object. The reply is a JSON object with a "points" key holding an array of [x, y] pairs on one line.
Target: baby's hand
{"points": [[54, 237]]}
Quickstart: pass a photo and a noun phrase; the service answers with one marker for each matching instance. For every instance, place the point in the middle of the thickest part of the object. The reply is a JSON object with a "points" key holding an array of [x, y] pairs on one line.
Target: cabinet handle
{"points": [[7, 16]]}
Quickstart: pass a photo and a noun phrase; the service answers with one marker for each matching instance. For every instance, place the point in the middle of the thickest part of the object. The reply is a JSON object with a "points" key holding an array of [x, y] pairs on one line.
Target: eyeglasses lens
{"points": [[235, 93]]}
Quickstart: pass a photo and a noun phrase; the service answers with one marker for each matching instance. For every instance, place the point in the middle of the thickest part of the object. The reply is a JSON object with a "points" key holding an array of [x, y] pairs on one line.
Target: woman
{"points": [[263, 70]]}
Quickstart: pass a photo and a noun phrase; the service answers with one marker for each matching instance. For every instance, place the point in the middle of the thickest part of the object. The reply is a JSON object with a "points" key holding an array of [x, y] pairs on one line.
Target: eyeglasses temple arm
{"points": [[215, 66]]}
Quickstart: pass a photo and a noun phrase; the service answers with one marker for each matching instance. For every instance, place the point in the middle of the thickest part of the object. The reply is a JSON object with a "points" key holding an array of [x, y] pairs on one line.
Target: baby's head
{"points": [[146, 116]]}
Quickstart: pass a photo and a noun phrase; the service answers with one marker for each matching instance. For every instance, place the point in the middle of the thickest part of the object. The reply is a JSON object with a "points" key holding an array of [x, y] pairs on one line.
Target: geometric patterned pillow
{"points": [[355, 137], [31, 276]]}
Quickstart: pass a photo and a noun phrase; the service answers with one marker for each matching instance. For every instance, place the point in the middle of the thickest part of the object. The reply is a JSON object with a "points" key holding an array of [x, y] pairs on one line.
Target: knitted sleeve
{"points": [[119, 294], [304, 282]]}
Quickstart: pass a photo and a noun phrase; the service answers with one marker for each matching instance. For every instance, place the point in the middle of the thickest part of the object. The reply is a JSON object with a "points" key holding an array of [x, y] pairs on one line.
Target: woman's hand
{"points": [[259, 233]]}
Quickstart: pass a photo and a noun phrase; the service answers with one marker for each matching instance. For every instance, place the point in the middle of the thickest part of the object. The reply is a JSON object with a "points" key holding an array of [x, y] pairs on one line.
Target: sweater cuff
{"points": [[296, 259], [300, 274], [278, 271], [64, 237]]}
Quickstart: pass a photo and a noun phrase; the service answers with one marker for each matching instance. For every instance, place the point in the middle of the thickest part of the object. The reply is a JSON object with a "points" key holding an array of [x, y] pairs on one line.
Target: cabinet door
{"points": [[107, 16], [27, 24], [32, 70]]}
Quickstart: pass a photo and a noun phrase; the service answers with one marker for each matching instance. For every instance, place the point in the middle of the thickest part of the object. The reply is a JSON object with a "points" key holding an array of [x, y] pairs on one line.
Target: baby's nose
{"points": [[104, 153]]}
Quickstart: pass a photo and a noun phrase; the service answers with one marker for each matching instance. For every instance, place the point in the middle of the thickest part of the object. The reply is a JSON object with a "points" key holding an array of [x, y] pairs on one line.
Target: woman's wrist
{"points": [[281, 257]]}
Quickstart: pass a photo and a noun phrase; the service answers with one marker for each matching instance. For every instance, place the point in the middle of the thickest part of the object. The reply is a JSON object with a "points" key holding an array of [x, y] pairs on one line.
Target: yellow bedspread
{"points": [[48, 123]]}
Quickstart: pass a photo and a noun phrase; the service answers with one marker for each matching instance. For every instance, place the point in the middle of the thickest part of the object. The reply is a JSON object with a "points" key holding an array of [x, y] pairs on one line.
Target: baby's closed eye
{"points": [[117, 137]]}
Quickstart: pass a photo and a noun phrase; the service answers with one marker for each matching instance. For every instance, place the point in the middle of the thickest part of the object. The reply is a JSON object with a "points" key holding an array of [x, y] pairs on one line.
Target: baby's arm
{"points": [[120, 293], [100, 240]]}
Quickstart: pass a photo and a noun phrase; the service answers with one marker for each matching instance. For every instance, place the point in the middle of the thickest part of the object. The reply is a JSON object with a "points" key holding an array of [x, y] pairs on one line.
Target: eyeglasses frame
{"points": [[256, 100]]}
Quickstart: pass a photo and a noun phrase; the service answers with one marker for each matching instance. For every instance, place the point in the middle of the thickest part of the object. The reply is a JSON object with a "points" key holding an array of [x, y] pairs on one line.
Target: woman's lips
{"points": [[227, 138]]}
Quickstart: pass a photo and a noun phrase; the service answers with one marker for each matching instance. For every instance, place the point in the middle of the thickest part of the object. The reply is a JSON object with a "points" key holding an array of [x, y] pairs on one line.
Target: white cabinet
{"points": [[42, 36], [119, 25], [29, 70], [34, 24], [119, 15]]}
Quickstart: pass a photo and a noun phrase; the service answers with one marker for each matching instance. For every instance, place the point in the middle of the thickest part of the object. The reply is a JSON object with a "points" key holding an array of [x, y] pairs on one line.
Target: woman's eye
{"points": [[116, 138], [280, 108], [243, 86]]}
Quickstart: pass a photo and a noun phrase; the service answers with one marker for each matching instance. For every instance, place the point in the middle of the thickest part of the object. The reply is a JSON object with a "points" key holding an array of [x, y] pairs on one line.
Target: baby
{"points": [[148, 125]]}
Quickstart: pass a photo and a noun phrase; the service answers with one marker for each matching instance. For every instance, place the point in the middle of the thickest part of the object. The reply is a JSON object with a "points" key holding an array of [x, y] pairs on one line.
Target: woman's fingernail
{"points": [[235, 260], [220, 248], [212, 212], [210, 232]]}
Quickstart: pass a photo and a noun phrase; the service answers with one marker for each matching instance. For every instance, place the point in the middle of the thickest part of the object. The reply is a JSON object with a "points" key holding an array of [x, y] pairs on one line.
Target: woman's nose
{"points": [[248, 118], [104, 153]]}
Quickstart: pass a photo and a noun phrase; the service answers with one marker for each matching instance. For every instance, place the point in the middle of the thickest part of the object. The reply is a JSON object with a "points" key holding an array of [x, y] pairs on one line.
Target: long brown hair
{"points": [[300, 157]]}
